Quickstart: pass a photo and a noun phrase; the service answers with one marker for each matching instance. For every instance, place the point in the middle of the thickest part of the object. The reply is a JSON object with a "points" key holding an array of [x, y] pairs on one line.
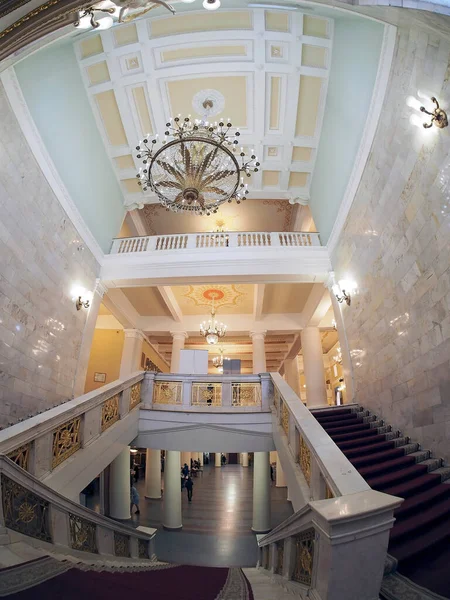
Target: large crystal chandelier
{"points": [[212, 330], [218, 361], [198, 165]]}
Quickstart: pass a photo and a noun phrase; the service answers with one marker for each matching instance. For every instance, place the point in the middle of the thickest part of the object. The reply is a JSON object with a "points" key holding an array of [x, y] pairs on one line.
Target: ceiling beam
{"points": [[171, 302], [137, 219], [258, 301], [316, 306]]}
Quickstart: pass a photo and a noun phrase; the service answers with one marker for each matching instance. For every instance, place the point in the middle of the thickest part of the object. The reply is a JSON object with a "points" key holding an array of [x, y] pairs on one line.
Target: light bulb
{"points": [[211, 5]]}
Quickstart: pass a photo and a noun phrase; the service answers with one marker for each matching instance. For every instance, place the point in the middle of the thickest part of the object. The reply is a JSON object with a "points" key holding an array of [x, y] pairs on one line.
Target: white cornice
{"points": [[37, 146], [376, 105]]}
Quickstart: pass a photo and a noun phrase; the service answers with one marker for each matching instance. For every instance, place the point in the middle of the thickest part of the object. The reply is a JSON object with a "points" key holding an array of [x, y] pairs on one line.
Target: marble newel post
{"points": [[131, 353], [343, 343], [119, 486], [153, 474], [178, 339], [88, 336], [218, 459], [259, 351], [245, 459], [261, 492], [316, 389], [172, 492]]}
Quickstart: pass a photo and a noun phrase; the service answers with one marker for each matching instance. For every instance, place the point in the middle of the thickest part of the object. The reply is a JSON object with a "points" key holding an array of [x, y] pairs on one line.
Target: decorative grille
{"points": [[21, 456], [279, 557], [121, 545], [110, 412], [66, 441], [206, 394], [304, 557], [305, 459], [167, 392], [24, 511], [143, 549], [82, 534], [135, 396], [284, 418], [246, 394]]}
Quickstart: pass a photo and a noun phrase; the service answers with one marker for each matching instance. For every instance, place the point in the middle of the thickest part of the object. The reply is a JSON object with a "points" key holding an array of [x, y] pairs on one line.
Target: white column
{"points": [[131, 353], [178, 339], [347, 366], [86, 341], [218, 459], [200, 458], [245, 459], [316, 389], [172, 491], [119, 486], [259, 351], [292, 374], [185, 457], [261, 493], [153, 474], [280, 479]]}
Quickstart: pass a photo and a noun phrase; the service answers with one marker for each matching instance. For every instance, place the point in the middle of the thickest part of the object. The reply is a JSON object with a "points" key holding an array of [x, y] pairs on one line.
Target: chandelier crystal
{"points": [[218, 361], [198, 165], [212, 330]]}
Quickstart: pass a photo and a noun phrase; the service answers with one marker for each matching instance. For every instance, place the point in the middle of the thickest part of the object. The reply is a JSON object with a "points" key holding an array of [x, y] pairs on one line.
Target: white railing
{"points": [[335, 545], [204, 393], [34, 513], [43, 442], [193, 241]]}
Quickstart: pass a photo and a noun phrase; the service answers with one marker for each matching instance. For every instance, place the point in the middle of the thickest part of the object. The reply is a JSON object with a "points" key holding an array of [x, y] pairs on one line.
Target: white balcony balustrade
{"points": [[193, 241]]}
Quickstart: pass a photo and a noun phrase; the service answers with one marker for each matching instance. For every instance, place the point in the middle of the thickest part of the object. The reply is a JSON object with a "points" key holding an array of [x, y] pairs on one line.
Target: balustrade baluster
{"points": [[146, 244], [309, 240]]}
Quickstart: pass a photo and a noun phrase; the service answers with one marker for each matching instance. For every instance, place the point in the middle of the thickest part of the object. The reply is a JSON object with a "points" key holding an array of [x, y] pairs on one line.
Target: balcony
{"points": [[228, 257]]}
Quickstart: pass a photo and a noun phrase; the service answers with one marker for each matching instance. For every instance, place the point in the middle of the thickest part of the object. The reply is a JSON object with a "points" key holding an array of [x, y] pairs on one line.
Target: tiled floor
{"points": [[217, 524]]}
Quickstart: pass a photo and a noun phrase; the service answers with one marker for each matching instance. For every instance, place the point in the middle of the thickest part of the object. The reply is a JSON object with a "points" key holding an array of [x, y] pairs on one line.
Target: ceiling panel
{"points": [[147, 301], [228, 299], [285, 297]]}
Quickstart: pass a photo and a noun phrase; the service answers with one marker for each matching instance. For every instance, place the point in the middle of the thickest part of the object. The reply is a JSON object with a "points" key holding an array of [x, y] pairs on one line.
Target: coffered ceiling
{"points": [[270, 68]]}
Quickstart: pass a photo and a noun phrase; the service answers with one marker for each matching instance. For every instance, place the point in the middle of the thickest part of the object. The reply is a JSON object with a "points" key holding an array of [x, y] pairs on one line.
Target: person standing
{"points": [[189, 485], [134, 500]]}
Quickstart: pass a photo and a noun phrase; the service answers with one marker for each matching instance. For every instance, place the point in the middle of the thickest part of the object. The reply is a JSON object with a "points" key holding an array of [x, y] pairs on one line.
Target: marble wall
{"points": [[41, 257], [396, 246]]}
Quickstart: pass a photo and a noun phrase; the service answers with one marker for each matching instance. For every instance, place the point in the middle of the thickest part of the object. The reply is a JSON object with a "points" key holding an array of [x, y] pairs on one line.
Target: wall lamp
{"points": [[343, 291], [438, 116], [81, 297]]}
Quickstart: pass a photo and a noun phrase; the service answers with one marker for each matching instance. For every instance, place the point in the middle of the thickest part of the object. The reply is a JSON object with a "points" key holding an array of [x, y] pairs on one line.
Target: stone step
{"points": [[264, 588]]}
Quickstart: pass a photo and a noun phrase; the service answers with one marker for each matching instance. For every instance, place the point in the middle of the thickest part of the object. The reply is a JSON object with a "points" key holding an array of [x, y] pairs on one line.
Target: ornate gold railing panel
{"points": [[304, 458], [82, 534], [246, 394], [265, 558], [66, 441], [110, 412], [276, 397], [143, 549], [121, 545], [279, 557], [135, 395], [206, 394], [304, 557], [25, 512], [21, 456], [167, 392], [284, 418]]}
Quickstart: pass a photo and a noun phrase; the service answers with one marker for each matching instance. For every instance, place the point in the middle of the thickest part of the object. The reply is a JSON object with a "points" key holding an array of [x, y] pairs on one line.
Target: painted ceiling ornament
{"points": [[208, 103], [226, 295], [198, 165]]}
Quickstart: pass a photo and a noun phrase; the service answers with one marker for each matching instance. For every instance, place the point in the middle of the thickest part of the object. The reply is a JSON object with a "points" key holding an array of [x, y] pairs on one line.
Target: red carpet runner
{"points": [[420, 538], [163, 583]]}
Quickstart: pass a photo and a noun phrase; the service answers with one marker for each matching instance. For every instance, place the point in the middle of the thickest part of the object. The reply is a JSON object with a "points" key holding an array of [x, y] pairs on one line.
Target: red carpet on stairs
{"points": [[167, 583], [420, 538]]}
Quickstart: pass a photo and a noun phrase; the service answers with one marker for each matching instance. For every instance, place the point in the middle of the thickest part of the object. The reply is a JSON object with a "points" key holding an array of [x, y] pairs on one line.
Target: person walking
{"points": [[189, 485], [134, 500], [185, 470]]}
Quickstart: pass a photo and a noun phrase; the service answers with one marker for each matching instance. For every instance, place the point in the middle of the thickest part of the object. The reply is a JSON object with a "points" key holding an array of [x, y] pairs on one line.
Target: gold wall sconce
{"points": [[79, 303], [343, 291], [81, 297], [438, 116]]}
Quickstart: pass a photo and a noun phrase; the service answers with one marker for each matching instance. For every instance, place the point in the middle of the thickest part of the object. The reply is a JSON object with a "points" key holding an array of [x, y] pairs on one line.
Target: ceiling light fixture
{"points": [[123, 10], [218, 361], [212, 330], [199, 168], [211, 4], [343, 291], [438, 116]]}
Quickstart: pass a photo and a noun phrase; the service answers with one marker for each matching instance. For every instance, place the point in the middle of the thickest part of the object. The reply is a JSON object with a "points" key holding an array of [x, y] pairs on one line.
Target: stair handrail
{"points": [[85, 418], [30, 508]]}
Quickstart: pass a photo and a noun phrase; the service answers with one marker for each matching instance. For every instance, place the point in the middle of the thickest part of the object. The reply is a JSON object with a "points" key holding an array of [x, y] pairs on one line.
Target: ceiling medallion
{"points": [[212, 330], [198, 167]]}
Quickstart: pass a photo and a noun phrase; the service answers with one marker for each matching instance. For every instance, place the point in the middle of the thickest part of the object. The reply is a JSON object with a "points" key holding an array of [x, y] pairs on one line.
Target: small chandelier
{"points": [[199, 168], [212, 330], [338, 356], [218, 361]]}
